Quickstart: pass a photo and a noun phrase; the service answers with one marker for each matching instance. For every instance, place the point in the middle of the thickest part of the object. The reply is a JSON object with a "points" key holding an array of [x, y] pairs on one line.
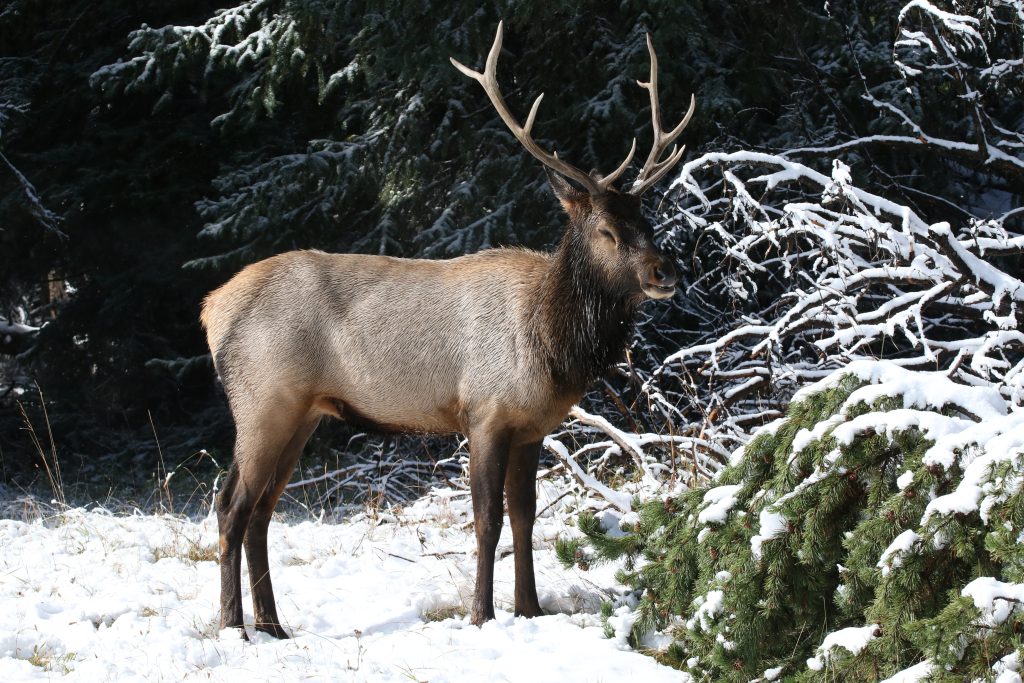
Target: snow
{"points": [[1007, 669], [996, 600], [720, 500], [841, 183], [630, 444], [932, 425], [1000, 435], [956, 23], [9, 328], [622, 501], [913, 674], [987, 433], [918, 389], [982, 271], [710, 606], [621, 622], [135, 598], [805, 437], [772, 524], [852, 639], [892, 557], [963, 501], [612, 523], [999, 440]]}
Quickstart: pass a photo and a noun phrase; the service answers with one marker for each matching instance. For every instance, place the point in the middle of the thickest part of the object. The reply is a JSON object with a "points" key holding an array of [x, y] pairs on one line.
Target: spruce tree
{"points": [[872, 528]]}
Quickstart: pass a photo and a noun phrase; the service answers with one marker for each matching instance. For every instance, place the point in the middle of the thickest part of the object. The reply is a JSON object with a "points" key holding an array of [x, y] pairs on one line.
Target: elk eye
{"points": [[608, 233]]}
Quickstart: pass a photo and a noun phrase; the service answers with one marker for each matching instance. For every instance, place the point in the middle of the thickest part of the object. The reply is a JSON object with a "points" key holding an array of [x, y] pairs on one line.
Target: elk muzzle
{"points": [[658, 278]]}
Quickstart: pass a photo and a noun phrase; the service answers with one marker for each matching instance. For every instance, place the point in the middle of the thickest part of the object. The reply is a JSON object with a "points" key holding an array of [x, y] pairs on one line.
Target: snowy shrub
{"points": [[874, 527]]}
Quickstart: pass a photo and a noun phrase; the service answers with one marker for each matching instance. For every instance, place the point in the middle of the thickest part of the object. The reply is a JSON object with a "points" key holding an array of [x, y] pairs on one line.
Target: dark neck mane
{"points": [[583, 324]]}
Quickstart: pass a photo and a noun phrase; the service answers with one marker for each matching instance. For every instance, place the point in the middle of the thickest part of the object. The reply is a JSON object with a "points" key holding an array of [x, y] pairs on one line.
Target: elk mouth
{"points": [[654, 291]]}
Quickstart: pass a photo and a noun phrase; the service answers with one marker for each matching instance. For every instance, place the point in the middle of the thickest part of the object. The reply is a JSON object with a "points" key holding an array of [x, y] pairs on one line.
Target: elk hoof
{"points": [[530, 611], [275, 630], [480, 617]]}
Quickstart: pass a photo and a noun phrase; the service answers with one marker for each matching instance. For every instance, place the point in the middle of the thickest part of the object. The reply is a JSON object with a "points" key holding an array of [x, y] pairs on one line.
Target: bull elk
{"points": [[496, 345]]}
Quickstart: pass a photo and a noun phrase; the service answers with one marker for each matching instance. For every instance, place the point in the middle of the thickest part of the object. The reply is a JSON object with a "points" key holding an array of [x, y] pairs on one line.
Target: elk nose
{"points": [[664, 273], [660, 279]]}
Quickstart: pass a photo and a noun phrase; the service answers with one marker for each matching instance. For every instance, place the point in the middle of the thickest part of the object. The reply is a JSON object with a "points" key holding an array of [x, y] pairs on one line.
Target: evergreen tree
{"points": [[106, 294], [872, 528]]}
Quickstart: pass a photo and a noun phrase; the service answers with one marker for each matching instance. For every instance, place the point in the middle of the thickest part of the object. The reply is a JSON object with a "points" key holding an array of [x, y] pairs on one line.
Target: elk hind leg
{"points": [[258, 446], [255, 541]]}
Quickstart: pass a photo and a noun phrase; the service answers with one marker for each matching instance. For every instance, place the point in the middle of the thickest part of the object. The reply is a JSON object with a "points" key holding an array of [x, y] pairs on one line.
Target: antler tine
{"points": [[654, 169], [489, 80], [606, 182]]}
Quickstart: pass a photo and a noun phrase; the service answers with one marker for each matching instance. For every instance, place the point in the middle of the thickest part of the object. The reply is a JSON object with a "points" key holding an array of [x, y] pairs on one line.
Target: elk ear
{"points": [[572, 200]]}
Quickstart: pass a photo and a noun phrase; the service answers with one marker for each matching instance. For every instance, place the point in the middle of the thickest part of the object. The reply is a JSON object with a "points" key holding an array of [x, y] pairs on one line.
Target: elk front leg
{"points": [[488, 460], [521, 492]]}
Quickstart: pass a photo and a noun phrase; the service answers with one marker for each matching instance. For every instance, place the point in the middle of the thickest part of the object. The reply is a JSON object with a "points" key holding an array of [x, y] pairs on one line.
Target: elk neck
{"points": [[582, 321]]}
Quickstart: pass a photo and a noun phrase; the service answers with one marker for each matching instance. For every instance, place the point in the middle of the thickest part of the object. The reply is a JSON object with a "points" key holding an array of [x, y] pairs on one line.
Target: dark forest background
{"points": [[148, 150]]}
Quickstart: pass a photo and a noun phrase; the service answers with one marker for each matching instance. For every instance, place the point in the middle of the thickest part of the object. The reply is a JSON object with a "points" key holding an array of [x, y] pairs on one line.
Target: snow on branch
{"points": [[15, 337], [46, 218], [262, 204], [263, 39], [970, 63], [373, 472], [821, 274], [590, 483]]}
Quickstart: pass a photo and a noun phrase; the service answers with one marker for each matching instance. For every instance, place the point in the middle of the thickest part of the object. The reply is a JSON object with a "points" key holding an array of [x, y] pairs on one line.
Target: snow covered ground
{"points": [[92, 596]]}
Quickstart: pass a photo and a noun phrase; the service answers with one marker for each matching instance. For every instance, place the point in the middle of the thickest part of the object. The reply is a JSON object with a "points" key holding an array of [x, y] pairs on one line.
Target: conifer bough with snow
{"points": [[874, 532]]}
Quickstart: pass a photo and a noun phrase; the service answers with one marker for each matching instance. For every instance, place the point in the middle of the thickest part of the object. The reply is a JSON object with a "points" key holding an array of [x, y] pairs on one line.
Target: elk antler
{"points": [[653, 169], [488, 79]]}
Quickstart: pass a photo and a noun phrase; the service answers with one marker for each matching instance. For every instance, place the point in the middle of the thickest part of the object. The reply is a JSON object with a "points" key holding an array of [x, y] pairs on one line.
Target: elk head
{"points": [[609, 222]]}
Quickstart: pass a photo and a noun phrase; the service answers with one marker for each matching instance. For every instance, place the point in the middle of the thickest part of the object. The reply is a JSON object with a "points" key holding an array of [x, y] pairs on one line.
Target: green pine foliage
{"points": [[822, 523]]}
